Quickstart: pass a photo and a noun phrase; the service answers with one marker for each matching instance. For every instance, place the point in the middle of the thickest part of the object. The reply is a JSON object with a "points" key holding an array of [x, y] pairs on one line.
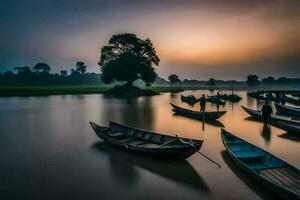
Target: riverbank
{"points": [[7, 91]]}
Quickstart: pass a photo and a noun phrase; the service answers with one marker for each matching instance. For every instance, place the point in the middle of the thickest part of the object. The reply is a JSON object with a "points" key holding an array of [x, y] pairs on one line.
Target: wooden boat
{"points": [[267, 169], [288, 110], [191, 99], [196, 114], [215, 100], [146, 142], [275, 118], [290, 128], [296, 94], [292, 100], [230, 97]]}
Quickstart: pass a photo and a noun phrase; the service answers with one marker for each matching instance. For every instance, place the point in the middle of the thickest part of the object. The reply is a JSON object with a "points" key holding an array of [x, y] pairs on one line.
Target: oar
{"points": [[209, 159], [205, 156]]}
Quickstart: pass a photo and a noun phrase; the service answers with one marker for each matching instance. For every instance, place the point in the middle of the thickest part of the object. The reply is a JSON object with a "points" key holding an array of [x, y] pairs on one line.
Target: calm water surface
{"points": [[49, 151]]}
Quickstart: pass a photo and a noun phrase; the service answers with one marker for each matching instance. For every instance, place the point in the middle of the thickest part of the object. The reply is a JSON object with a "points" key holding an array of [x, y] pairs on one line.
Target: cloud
{"points": [[200, 35]]}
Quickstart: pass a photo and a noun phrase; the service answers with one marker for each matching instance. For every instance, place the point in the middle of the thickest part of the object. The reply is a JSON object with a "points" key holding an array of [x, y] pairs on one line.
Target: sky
{"points": [[194, 39]]}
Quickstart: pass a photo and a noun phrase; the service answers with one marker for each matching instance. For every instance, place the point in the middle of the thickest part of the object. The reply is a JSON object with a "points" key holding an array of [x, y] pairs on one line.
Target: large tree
{"points": [[211, 82], [42, 68], [81, 67], [173, 78], [252, 80], [128, 58]]}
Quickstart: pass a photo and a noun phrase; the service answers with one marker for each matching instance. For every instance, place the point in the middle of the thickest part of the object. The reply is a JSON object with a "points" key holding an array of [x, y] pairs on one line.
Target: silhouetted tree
{"points": [[173, 78], [42, 68], [128, 58], [252, 80], [80, 67], [64, 73], [270, 79], [211, 82], [148, 75], [23, 70]]}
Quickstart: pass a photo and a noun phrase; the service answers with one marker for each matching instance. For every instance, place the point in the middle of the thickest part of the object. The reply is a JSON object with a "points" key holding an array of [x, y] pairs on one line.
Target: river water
{"points": [[49, 151]]}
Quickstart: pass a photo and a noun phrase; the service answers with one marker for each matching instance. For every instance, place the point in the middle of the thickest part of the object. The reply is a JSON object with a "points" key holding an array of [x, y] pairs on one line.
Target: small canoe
{"points": [[215, 100], [293, 100], [267, 169], [288, 110], [296, 94], [146, 142], [274, 118], [290, 128], [196, 114], [191, 99], [230, 97]]}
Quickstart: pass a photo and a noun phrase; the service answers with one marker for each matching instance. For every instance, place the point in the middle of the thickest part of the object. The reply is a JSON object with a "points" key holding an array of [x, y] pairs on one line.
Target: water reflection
{"points": [[266, 133], [56, 139], [122, 165], [132, 112], [121, 171], [210, 122]]}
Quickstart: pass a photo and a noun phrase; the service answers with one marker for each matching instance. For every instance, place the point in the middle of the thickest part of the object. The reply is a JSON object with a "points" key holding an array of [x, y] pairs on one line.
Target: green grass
{"points": [[52, 90], [6, 91]]}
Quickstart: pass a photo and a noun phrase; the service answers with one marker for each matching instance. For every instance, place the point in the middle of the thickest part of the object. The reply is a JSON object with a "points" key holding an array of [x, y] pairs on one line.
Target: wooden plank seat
{"points": [[290, 173], [280, 179]]}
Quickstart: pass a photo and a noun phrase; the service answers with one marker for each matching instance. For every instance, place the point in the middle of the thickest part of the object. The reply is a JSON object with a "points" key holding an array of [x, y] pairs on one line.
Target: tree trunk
{"points": [[129, 83]]}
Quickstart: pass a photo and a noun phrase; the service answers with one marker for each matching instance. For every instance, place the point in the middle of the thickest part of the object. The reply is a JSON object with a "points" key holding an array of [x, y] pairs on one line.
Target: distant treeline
{"points": [[40, 75]]}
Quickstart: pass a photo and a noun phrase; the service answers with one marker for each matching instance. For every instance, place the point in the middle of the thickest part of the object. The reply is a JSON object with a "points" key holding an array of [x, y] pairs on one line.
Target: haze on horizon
{"points": [[195, 39]]}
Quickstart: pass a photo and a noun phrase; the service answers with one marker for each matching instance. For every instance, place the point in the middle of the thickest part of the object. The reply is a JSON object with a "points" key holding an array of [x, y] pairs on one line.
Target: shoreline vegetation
{"points": [[46, 90], [127, 60]]}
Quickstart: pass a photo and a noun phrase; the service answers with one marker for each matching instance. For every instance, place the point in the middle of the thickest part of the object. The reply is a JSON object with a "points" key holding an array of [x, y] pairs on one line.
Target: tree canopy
{"points": [[128, 58], [211, 82], [81, 67], [173, 78], [252, 80], [41, 68]]}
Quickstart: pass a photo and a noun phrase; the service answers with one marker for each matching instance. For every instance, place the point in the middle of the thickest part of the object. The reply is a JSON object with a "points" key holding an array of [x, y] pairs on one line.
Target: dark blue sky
{"points": [[196, 39]]}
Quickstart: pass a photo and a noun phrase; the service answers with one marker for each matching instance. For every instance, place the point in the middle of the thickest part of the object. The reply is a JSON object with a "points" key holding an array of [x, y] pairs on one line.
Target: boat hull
{"points": [[274, 119], [196, 114], [256, 174], [289, 128], [189, 100], [166, 153], [288, 110]]}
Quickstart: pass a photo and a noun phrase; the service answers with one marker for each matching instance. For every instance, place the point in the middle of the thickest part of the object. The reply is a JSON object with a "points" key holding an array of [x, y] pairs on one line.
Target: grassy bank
{"points": [[6, 91]]}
